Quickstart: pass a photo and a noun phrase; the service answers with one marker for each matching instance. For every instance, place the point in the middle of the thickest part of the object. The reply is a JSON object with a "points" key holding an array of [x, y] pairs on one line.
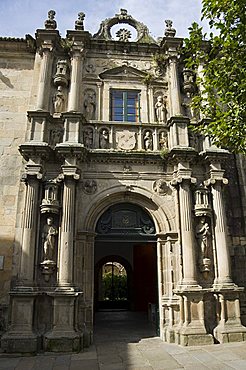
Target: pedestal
{"points": [[20, 337], [192, 331], [229, 328], [63, 337]]}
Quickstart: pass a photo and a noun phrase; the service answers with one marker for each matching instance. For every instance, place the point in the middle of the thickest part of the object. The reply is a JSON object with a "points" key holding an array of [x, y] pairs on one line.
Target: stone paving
{"points": [[128, 342]]}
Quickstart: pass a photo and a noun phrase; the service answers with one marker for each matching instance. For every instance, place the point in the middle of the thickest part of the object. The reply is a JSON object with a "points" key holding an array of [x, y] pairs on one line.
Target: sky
{"points": [[20, 17]]}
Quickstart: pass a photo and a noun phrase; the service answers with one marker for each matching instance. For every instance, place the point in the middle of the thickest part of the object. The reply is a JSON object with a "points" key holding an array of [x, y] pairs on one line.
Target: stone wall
{"points": [[16, 74]]}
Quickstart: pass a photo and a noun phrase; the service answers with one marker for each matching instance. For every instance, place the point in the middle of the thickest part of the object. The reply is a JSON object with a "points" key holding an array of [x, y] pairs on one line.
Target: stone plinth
{"points": [[63, 336], [20, 336]]}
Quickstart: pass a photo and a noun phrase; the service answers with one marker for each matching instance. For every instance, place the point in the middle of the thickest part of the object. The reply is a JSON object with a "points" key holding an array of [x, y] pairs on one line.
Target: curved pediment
{"points": [[123, 72], [104, 32]]}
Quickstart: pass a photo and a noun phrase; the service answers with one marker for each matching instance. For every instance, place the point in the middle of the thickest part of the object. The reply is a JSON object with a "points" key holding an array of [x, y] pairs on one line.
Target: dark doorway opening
{"points": [[126, 262]]}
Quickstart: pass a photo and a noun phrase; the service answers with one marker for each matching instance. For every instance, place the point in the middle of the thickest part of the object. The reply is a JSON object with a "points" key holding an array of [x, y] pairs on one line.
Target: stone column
{"points": [[223, 255], [44, 80], [174, 86], [29, 230], [66, 252], [187, 232], [76, 73]]}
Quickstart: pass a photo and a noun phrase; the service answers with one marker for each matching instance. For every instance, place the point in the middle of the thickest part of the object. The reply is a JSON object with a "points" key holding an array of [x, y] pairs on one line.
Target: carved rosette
{"points": [[89, 186], [161, 187]]}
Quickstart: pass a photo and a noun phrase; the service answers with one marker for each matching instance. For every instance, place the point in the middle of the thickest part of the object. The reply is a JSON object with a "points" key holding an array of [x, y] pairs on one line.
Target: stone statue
{"points": [[160, 110], [104, 139], [49, 239], [90, 105], [148, 141], [163, 140], [88, 138], [59, 100], [203, 236]]}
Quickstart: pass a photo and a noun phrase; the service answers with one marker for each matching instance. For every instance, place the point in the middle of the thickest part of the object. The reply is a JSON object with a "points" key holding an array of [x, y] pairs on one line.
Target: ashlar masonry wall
{"points": [[16, 74]]}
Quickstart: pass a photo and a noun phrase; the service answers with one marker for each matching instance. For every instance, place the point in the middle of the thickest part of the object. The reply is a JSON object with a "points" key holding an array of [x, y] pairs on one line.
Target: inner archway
{"points": [[126, 239]]}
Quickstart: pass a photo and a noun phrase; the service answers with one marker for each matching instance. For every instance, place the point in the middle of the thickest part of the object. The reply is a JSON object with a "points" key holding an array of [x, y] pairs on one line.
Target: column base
{"points": [[19, 343], [63, 342], [194, 336], [230, 333]]}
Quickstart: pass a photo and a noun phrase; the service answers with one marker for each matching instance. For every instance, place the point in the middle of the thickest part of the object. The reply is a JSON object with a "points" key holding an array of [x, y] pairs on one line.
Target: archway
{"points": [[126, 235]]}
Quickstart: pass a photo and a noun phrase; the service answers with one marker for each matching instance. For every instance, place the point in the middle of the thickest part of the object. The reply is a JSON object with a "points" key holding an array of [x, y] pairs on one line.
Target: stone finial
{"points": [[169, 31], [123, 34], [79, 23], [50, 23]]}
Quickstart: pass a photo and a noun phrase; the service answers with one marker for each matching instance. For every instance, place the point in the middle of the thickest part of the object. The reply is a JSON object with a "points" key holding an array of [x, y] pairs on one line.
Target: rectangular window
{"points": [[125, 105]]}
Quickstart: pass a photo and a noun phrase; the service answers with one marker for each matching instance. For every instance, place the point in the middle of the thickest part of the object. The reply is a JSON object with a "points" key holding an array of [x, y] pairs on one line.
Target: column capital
{"points": [[47, 39], [69, 172], [32, 172]]}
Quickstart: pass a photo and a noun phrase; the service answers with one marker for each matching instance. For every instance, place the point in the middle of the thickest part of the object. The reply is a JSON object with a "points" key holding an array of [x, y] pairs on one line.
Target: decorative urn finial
{"points": [[50, 23], [169, 31], [79, 23]]}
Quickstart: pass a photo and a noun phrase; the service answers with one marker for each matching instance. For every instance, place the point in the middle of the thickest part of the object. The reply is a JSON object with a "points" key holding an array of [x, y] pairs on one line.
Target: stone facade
{"points": [[106, 154]]}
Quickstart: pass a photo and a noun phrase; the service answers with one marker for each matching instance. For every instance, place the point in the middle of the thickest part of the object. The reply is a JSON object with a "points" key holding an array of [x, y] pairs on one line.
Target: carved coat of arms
{"points": [[126, 139]]}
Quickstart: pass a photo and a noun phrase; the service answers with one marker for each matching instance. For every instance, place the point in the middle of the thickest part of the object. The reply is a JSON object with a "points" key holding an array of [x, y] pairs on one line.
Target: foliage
{"points": [[114, 289], [148, 79], [222, 80]]}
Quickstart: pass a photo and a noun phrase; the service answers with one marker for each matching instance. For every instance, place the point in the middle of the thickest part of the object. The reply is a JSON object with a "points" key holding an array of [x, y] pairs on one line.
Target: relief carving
{"points": [[126, 140]]}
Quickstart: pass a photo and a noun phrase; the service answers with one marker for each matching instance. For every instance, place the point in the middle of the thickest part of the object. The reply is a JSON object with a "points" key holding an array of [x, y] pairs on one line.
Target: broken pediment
{"points": [[123, 72]]}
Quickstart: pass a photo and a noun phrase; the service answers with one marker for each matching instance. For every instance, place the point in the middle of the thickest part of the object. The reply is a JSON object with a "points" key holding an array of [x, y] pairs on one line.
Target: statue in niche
{"points": [[161, 110], [56, 136], [59, 100], [49, 239], [203, 235], [104, 139], [90, 105], [148, 141], [88, 138], [163, 140]]}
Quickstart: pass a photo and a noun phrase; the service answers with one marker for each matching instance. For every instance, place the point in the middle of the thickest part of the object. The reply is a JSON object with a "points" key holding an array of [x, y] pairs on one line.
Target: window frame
{"points": [[125, 105]]}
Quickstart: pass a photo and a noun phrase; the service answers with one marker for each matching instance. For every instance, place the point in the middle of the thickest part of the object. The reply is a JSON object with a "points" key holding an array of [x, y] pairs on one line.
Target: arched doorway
{"points": [[126, 235], [113, 276]]}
